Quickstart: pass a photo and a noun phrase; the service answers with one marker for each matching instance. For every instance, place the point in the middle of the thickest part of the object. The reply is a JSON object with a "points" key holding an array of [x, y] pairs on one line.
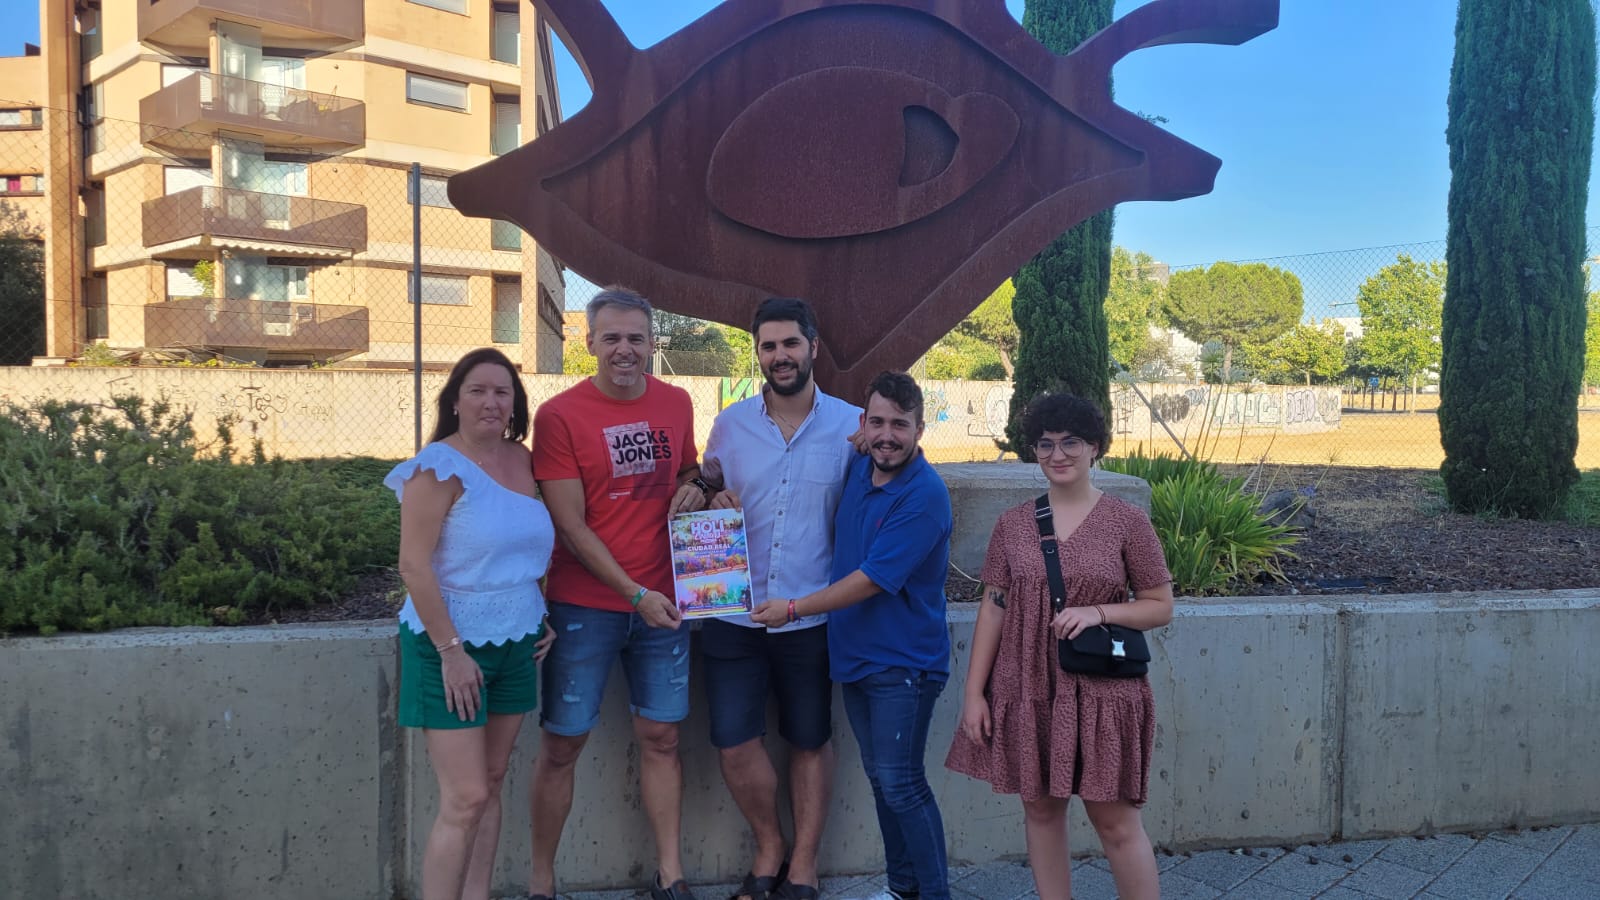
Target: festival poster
{"points": [[710, 563]]}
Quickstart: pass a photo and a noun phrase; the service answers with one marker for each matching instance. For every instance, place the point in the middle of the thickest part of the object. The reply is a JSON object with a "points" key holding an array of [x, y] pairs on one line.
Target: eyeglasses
{"points": [[1044, 449]]}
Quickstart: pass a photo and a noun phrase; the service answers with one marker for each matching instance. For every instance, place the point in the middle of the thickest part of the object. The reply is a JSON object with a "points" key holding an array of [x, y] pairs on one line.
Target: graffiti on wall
{"points": [[732, 390], [331, 412]]}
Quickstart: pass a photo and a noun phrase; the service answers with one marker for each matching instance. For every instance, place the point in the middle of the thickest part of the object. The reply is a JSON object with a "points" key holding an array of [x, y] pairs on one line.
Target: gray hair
{"points": [[620, 298]]}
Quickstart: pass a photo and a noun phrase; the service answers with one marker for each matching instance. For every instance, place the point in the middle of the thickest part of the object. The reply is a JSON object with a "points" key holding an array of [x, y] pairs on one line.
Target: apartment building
{"points": [[232, 177]]}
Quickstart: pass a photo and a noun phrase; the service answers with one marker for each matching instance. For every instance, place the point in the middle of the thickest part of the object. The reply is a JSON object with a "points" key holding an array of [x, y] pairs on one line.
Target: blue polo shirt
{"points": [[898, 535]]}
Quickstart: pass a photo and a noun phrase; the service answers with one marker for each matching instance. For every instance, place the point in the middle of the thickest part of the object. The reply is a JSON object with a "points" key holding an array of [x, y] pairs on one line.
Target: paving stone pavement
{"points": [[1542, 864]]}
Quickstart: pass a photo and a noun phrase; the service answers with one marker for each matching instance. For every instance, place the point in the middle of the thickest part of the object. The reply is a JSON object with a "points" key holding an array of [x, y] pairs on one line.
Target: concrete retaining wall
{"points": [[264, 762]]}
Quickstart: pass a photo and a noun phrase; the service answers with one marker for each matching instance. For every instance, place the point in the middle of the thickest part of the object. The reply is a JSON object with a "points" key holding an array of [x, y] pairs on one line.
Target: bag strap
{"points": [[1045, 519]]}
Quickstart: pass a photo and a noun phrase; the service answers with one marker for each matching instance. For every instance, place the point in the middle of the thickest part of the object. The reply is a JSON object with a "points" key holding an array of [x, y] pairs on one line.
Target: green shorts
{"points": [[510, 681]]}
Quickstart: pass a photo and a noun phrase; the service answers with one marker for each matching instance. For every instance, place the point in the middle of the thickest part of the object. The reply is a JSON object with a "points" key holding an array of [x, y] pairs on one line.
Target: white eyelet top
{"points": [[492, 551]]}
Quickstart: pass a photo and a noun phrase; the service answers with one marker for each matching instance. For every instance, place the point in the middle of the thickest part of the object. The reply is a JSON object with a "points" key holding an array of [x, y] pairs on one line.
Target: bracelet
{"points": [[1102, 611], [639, 595], [793, 616], [453, 642]]}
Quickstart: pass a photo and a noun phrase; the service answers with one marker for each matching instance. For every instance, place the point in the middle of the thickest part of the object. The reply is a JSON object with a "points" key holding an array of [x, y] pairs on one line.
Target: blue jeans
{"points": [[889, 711]]}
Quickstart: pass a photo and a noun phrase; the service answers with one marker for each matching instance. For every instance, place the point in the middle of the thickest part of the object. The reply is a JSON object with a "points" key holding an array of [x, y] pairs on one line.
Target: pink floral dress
{"points": [[1055, 733]]}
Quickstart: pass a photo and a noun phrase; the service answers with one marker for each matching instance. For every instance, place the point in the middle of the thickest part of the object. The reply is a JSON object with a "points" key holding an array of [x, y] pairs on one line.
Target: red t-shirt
{"points": [[628, 453]]}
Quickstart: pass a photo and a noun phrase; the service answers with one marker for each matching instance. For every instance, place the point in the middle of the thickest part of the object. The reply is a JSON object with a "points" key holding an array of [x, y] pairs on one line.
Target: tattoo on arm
{"points": [[998, 597]]}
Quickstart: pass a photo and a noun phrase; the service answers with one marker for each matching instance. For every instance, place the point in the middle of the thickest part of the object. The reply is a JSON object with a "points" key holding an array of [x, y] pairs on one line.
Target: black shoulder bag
{"points": [[1111, 650]]}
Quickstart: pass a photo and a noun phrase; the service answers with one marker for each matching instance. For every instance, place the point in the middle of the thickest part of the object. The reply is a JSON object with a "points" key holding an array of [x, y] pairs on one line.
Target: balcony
{"points": [[206, 217], [307, 24], [288, 327], [186, 116]]}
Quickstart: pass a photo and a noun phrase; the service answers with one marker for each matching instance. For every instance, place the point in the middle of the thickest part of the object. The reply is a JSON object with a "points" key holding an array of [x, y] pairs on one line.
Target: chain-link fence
{"points": [[275, 278]]}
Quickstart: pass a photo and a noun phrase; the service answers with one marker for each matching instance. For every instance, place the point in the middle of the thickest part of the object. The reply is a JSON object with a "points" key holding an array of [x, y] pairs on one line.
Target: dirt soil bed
{"points": [[1380, 531], [1377, 531]]}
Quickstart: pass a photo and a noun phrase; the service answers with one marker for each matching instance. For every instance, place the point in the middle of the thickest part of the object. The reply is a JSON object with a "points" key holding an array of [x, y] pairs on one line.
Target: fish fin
{"points": [[1175, 22], [592, 36]]}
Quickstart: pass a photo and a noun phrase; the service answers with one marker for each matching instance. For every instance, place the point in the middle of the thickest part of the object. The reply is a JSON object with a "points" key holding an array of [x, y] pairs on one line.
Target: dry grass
{"points": [[1398, 440]]}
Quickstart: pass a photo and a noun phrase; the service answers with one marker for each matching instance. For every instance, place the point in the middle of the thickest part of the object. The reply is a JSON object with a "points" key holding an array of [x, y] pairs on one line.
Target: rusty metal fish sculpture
{"points": [[892, 161]]}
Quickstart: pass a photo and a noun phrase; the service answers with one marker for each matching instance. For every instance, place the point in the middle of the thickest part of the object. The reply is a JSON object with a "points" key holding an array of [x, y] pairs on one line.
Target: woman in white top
{"points": [[474, 542]]}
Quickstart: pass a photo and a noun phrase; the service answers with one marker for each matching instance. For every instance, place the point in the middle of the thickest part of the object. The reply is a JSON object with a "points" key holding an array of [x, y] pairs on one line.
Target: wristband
{"points": [[793, 616], [453, 642], [1102, 611], [639, 595]]}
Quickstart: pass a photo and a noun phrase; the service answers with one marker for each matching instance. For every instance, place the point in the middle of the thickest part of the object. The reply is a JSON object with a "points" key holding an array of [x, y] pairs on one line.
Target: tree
{"points": [[1234, 305], [1309, 352], [1401, 308], [684, 334], [1061, 293], [994, 325], [1520, 134], [962, 356], [1591, 342], [576, 358], [1133, 303], [743, 346], [21, 288]]}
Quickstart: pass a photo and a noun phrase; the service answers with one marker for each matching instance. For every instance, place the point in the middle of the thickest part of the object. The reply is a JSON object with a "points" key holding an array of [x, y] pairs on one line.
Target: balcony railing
{"points": [[293, 326], [186, 23], [186, 115], [219, 215]]}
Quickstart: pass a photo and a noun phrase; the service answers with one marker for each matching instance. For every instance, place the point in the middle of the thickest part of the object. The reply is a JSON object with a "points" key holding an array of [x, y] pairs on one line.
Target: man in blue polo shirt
{"points": [[887, 641]]}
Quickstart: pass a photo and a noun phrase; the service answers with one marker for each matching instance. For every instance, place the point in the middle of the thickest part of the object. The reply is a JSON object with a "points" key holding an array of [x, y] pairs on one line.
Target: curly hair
{"points": [[1066, 414], [897, 388]]}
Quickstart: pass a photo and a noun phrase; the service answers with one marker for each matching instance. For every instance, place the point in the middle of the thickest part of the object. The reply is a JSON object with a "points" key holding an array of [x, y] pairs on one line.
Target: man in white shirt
{"points": [[782, 456]]}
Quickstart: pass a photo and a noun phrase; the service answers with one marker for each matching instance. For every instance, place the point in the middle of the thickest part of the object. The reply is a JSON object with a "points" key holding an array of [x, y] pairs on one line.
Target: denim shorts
{"points": [[588, 641], [741, 662]]}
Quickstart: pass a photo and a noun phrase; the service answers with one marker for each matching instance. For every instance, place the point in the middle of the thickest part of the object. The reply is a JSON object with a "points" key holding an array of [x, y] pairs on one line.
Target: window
{"points": [[506, 133], [89, 40], [434, 192], [505, 322], [506, 42], [444, 290], [95, 214], [296, 281], [96, 319], [19, 118], [504, 235], [455, 6], [436, 91], [21, 184]]}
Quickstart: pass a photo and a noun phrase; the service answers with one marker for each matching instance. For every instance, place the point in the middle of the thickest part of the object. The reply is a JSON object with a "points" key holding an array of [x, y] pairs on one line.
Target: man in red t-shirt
{"points": [[615, 458]]}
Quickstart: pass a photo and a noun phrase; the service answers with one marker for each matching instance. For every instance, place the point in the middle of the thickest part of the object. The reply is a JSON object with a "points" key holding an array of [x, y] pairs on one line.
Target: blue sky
{"points": [[1330, 129]]}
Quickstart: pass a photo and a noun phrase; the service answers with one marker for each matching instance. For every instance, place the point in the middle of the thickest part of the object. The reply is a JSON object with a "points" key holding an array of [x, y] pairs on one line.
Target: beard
{"points": [[802, 377], [892, 464]]}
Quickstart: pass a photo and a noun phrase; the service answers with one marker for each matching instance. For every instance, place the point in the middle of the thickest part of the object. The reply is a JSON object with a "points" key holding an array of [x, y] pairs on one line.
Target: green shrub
{"points": [[1210, 527], [1160, 467], [111, 517]]}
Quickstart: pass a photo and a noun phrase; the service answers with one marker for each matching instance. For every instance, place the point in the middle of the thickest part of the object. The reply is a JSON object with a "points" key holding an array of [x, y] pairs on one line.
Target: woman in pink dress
{"points": [[1031, 729]]}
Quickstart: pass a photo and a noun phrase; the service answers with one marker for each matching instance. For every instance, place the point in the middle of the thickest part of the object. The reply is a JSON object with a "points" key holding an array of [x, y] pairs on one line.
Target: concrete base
{"points": [[264, 762], [980, 492]]}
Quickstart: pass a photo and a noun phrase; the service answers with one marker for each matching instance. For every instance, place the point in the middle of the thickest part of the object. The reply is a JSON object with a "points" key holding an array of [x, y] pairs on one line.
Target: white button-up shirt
{"points": [[789, 491]]}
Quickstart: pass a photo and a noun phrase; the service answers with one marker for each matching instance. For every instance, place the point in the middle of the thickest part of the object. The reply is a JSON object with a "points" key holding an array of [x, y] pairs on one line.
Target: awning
{"points": [[204, 242]]}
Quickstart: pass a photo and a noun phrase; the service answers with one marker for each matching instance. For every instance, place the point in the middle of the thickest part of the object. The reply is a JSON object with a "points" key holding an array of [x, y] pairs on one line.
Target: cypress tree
{"points": [[1061, 293], [1521, 129]]}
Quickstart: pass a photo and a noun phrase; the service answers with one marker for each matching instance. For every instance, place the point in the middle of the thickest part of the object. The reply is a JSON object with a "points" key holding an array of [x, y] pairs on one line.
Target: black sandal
{"points": [[763, 887]]}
